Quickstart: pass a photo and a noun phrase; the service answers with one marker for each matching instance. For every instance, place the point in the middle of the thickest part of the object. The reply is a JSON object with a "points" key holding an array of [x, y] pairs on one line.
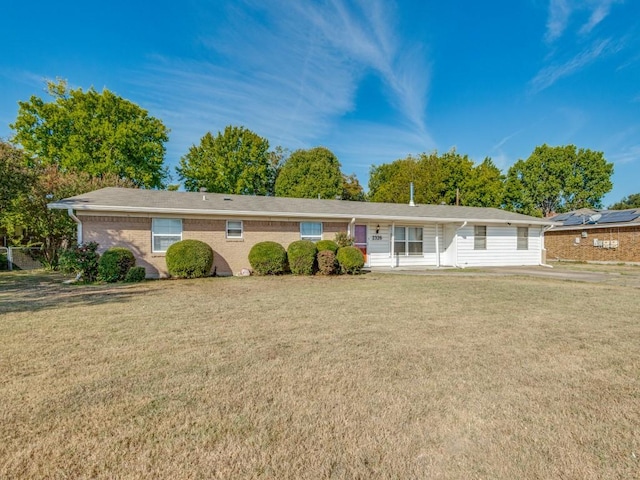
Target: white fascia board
{"points": [[314, 215]]}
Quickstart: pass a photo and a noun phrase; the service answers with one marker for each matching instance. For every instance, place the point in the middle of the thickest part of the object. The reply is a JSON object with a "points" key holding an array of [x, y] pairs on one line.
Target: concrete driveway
{"points": [[627, 276]]}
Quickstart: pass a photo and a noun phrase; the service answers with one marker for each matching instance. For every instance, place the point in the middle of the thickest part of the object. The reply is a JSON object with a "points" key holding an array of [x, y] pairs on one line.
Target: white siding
{"points": [[502, 243], [379, 251]]}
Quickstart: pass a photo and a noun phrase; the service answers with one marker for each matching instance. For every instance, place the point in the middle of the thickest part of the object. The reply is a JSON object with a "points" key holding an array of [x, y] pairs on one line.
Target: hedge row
{"points": [[117, 264], [304, 257]]}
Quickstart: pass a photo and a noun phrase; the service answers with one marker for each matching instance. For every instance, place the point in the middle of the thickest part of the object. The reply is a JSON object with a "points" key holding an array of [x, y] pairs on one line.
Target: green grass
{"points": [[372, 376]]}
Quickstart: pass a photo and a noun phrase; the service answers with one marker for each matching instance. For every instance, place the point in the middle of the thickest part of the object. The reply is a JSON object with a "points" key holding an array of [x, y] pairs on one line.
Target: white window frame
{"points": [[155, 233], [480, 239], [235, 229], [406, 241], [523, 240], [312, 237]]}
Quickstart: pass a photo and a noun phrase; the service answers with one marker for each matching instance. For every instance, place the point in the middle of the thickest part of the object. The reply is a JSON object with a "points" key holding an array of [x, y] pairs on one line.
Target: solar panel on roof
{"points": [[561, 217], [575, 220], [618, 217]]}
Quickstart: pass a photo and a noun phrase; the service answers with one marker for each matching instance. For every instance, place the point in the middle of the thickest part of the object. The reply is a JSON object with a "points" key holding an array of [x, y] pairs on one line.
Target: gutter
{"points": [[455, 263], [253, 213]]}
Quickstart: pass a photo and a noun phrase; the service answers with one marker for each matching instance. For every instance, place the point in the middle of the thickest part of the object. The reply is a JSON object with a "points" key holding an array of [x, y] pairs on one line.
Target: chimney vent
{"points": [[411, 202]]}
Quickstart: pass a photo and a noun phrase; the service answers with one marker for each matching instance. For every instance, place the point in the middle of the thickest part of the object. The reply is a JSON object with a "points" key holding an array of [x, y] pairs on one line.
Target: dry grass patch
{"points": [[353, 377]]}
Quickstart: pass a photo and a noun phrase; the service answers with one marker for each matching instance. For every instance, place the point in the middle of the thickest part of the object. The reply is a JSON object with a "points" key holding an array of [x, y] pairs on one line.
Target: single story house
{"points": [[390, 235], [587, 235]]}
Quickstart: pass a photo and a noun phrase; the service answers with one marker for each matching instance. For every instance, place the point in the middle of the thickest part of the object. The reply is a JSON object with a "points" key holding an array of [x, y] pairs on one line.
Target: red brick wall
{"points": [[562, 245]]}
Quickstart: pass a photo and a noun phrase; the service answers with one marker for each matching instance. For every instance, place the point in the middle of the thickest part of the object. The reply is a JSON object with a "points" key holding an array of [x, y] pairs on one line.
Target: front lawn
{"points": [[371, 376]]}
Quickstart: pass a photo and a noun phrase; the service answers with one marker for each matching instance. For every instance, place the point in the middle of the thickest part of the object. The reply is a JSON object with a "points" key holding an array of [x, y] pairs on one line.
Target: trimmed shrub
{"points": [[302, 257], [351, 260], [114, 264], [189, 259], [268, 258], [82, 259], [327, 264], [343, 239], [327, 245], [135, 275]]}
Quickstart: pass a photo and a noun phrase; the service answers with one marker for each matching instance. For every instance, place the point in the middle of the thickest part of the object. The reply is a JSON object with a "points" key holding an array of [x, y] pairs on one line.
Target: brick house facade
{"points": [[594, 243]]}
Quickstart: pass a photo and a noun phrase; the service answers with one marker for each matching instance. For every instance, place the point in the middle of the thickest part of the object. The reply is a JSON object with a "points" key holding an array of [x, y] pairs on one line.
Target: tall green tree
{"points": [[449, 178], [313, 173], [235, 161], [557, 179], [15, 177], [632, 201], [98, 133], [351, 189], [28, 221]]}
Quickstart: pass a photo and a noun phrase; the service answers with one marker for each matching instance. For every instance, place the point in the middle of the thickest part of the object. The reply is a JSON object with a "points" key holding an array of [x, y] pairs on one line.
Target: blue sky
{"points": [[373, 80]]}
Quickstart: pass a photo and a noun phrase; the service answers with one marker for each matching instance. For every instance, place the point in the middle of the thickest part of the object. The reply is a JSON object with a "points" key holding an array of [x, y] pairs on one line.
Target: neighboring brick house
{"points": [[595, 236], [390, 235]]}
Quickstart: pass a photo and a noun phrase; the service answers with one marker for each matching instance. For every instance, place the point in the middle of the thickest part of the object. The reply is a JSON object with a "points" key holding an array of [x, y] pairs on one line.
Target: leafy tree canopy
{"points": [[351, 189], [92, 132], [558, 179], [313, 173], [632, 201], [27, 220], [449, 178], [236, 161], [15, 178]]}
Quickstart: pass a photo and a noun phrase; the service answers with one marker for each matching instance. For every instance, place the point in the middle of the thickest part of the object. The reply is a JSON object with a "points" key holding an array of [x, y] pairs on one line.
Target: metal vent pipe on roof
{"points": [[411, 203]]}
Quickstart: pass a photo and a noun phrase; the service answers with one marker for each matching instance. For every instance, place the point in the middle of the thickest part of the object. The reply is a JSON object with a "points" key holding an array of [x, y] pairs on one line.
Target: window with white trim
{"points": [[523, 238], [311, 231], [407, 241], [234, 228], [480, 237], [164, 233]]}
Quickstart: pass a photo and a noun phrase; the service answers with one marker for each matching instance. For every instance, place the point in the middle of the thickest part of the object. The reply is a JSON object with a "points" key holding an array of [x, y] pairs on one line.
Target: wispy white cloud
{"points": [[552, 73], [557, 20], [290, 71], [629, 154], [561, 12]]}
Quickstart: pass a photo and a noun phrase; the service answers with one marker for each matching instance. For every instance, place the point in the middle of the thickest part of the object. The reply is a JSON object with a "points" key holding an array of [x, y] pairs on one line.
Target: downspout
{"points": [[352, 228], [455, 263], [78, 222], [542, 248]]}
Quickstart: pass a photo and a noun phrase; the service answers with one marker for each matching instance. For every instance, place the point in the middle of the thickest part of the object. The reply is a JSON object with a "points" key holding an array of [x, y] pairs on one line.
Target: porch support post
{"points": [[393, 241], [437, 245]]}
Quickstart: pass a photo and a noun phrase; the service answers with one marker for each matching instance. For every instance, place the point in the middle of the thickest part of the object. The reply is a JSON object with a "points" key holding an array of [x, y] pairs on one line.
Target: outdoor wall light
{"points": [[377, 228]]}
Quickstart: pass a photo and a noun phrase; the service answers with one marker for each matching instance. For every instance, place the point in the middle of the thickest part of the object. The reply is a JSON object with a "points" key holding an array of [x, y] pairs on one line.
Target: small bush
{"points": [[327, 245], [327, 264], [343, 240], [82, 259], [268, 258], [302, 257], [4, 262], [351, 260], [135, 275], [189, 259], [114, 264]]}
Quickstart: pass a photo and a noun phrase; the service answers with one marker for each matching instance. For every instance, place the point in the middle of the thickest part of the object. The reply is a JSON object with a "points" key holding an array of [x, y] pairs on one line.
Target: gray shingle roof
{"points": [[181, 203], [587, 218]]}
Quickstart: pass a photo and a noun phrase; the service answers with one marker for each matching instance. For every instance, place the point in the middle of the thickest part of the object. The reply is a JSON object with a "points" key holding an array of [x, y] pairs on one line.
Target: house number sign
{"points": [[376, 237]]}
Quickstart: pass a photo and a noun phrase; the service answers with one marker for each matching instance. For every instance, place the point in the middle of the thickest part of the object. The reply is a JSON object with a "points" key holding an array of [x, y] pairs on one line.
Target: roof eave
{"points": [[245, 213]]}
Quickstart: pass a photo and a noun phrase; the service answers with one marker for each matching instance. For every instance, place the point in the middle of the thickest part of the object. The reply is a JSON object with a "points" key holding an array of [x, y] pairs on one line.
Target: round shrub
{"points": [[81, 259], [327, 264], [135, 275], [189, 259], [327, 245], [114, 264], [351, 260], [302, 257], [268, 258]]}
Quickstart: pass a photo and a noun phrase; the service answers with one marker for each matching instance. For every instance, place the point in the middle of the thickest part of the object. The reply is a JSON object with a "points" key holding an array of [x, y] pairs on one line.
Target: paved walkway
{"points": [[608, 276]]}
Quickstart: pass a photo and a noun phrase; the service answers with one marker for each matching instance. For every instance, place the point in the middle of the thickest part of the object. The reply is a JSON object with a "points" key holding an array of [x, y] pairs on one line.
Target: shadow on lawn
{"points": [[34, 291]]}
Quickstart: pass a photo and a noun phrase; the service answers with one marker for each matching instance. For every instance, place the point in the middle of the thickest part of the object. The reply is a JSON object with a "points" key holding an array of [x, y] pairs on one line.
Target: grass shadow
{"points": [[30, 291]]}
